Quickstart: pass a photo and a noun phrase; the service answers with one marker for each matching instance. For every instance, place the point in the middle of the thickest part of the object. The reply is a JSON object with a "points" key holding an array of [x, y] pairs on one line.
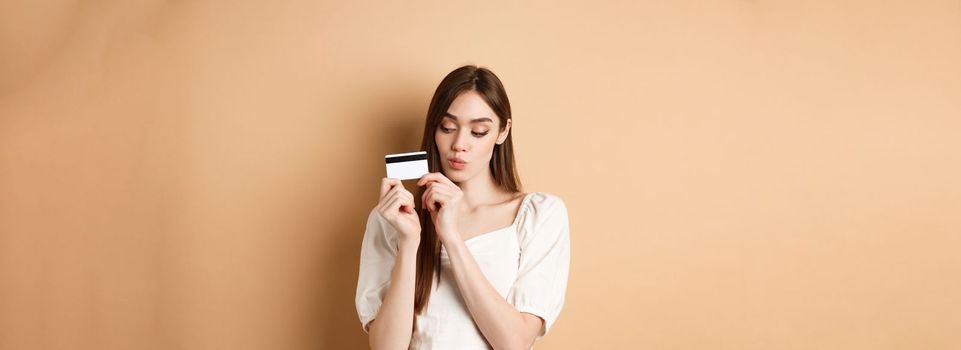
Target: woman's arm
{"points": [[394, 324], [502, 325]]}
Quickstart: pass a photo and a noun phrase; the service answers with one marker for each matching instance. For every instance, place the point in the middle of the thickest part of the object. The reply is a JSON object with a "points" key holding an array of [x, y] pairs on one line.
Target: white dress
{"points": [[527, 263]]}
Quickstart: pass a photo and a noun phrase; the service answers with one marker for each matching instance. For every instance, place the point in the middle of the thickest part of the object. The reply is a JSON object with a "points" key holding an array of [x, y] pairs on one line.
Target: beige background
{"points": [[740, 174]]}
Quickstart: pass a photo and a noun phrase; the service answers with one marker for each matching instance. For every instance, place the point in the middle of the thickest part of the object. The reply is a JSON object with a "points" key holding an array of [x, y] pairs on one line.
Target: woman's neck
{"points": [[479, 191]]}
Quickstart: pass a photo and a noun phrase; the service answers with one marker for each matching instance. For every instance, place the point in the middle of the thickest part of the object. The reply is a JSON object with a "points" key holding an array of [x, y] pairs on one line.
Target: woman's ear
{"points": [[503, 134]]}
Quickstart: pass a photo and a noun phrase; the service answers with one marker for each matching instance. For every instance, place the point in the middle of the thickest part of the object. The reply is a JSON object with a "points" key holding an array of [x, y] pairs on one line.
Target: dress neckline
{"points": [[517, 216]]}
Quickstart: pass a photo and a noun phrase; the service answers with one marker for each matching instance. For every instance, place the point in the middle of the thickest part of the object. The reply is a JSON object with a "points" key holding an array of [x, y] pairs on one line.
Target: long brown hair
{"points": [[502, 166]]}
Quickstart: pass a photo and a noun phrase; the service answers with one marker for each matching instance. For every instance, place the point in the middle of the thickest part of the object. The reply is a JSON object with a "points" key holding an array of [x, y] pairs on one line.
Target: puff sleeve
{"points": [[544, 260], [377, 255]]}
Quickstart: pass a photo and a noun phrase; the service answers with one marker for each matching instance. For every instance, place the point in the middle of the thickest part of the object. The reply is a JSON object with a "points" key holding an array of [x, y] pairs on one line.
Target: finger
{"points": [[434, 185], [406, 201], [407, 205], [431, 204], [393, 193], [385, 204], [387, 196], [405, 192], [444, 179], [386, 184], [400, 191], [410, 197], [424, 178], [428, 201], [437, 198], [435, 177], [382, 203], [393, 205], [440, 197], [429, 177], [423, 199]]}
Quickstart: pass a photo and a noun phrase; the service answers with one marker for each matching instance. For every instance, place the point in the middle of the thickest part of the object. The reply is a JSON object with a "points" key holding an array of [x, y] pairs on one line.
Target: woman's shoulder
{"points": [[544, 199], [545, 215], [541, 204]]}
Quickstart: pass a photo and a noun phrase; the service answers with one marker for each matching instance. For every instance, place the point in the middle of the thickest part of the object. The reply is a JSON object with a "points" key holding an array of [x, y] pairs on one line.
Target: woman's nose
{"points": [[460, 143]]}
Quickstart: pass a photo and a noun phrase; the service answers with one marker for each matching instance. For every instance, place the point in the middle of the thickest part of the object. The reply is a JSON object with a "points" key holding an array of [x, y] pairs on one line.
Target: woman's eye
{"points": [[450, 130]]}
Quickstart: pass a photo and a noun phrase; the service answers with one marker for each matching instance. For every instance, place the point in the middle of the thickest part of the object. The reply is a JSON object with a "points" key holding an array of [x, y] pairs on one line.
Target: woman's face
{"points": [[466, 137]]}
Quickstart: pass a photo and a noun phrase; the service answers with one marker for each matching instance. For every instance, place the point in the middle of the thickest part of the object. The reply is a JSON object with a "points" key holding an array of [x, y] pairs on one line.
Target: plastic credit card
{"points": [[406, 166]]}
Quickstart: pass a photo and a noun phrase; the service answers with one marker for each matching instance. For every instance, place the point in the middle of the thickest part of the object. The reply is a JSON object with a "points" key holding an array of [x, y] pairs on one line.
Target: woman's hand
{"points": [[397, 206], [442, 198]]}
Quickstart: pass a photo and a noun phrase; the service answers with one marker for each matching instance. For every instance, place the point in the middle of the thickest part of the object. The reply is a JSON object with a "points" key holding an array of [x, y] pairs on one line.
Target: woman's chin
{"points": [[454, 175]]}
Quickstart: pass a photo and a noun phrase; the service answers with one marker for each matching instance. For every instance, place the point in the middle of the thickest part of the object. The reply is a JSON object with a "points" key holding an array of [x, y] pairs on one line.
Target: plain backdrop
{"points": [[739, 174]]}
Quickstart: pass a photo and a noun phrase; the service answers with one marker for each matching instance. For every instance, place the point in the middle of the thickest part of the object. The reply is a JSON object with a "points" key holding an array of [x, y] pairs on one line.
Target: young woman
{"points": [[478, 264]]}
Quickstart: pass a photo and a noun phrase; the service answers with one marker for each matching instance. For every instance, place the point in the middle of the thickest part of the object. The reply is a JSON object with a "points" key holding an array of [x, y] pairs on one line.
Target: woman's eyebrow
{"points": [[475, 120]]}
